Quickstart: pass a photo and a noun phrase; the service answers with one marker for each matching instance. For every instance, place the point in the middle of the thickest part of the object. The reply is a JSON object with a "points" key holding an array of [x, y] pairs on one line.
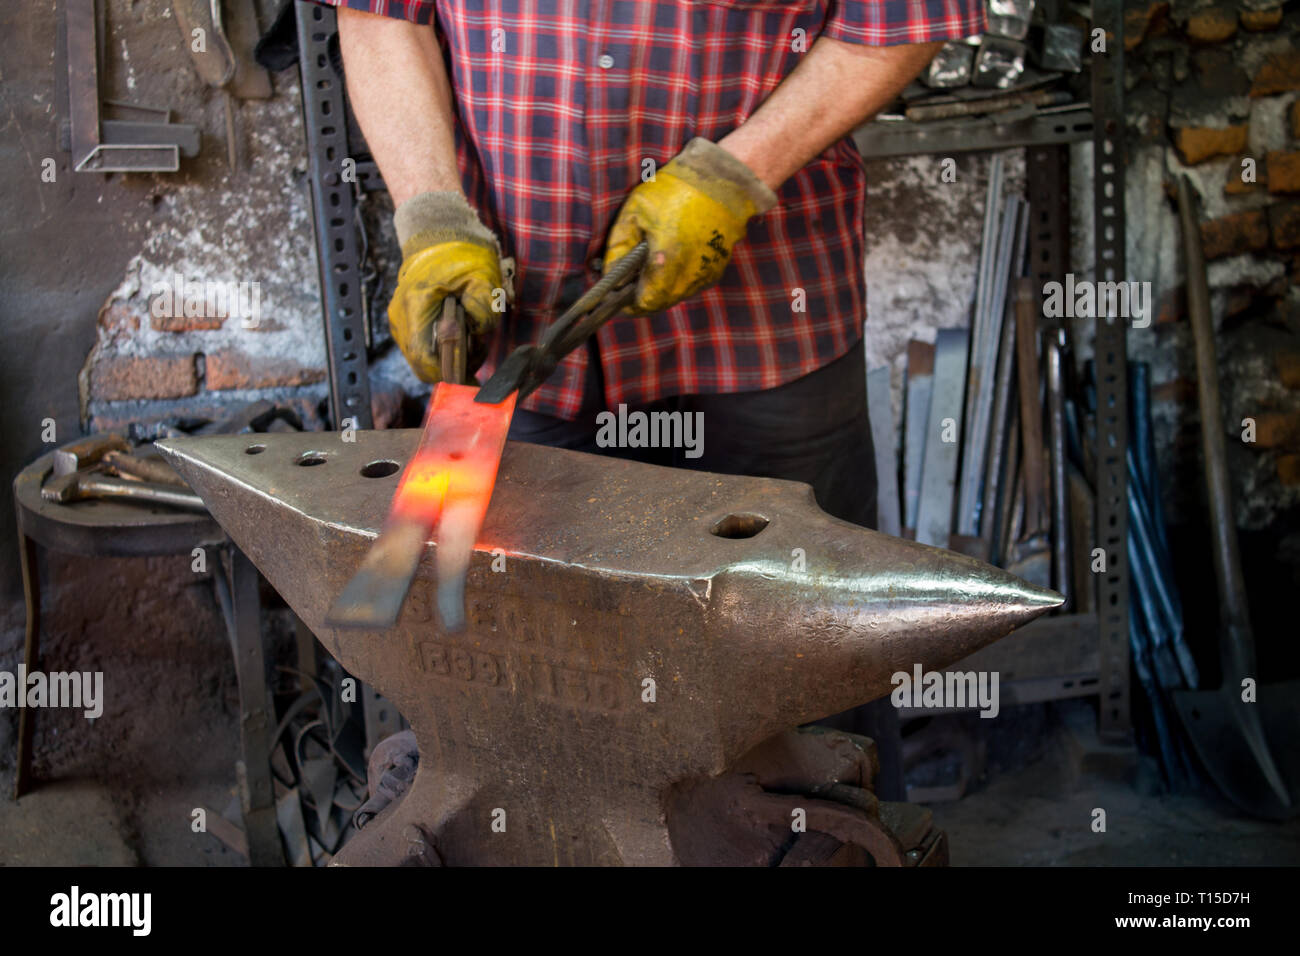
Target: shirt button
{"points": [[596, 265], [605, 62]]}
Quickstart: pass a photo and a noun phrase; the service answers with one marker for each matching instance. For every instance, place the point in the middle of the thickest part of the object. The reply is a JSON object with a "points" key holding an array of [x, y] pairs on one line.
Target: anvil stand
{"points": [[112, 529]]}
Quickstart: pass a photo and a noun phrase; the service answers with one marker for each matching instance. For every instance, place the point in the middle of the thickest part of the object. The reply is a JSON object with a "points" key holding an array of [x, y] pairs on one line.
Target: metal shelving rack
{"points": [[1083, 654], [334, 198]]}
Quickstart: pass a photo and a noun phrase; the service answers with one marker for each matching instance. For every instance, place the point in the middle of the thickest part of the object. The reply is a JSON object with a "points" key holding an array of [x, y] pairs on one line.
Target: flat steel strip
{"points": [[881, 413], [939, 473]]}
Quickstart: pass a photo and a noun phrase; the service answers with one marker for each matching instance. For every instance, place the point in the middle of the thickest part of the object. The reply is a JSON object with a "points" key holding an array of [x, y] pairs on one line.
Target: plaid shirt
{"points": [[561, 101]]}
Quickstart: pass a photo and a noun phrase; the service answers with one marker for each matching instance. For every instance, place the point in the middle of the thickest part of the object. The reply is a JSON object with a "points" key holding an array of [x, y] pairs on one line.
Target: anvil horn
{"points": [[629, 626]]}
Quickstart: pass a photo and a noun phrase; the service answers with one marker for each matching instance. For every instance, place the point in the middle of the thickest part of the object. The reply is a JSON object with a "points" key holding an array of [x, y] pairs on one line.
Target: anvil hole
{"points": [[380, 469], [739, 526], [311, 458], [254, 449]]}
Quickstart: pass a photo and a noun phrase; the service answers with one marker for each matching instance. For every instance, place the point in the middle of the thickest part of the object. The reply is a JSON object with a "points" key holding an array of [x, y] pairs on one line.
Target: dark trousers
{"points": [[814, 429]]}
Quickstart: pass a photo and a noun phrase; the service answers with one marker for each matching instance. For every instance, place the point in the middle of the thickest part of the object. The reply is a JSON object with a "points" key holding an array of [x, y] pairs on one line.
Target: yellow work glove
{"points": [[446, 251], [692, 213]]}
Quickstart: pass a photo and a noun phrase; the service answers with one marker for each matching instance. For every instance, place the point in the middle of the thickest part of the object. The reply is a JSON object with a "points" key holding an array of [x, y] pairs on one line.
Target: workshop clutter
{"points": [[995, 439], [999, 461], [1018, 80], [1013, 45], [112, 494]]}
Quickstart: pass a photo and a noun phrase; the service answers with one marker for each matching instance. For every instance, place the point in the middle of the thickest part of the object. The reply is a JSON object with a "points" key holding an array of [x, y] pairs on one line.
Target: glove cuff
{"points": [[714, 170], [434, 217]]}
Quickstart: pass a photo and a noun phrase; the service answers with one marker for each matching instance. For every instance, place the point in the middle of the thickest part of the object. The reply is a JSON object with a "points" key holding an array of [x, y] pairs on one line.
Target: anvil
{"points": [[640, 640]]}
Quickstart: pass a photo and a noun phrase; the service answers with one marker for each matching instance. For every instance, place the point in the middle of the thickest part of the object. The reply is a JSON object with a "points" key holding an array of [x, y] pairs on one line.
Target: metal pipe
{"points": [[1060, 492], [996, 464]]}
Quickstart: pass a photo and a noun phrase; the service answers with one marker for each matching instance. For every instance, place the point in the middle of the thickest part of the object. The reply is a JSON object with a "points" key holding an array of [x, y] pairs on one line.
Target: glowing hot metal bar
{"points": [[448, 483]]}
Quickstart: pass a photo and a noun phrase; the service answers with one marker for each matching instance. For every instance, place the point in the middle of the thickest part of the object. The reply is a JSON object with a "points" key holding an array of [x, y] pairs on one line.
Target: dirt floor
{"points": [[122, 789], [1047, 774]]}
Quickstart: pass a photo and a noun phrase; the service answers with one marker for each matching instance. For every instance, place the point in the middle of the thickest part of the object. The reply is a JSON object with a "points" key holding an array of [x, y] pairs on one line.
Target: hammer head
{"points": [[628, 627], [87, 453]]}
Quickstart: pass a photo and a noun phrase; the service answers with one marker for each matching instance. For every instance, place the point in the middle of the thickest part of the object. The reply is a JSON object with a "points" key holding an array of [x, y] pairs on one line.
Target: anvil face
{"points": [[630, 628]]}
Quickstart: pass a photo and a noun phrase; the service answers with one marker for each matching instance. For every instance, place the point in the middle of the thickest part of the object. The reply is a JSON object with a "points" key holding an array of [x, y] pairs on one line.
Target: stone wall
{"points": [[1212, 94]]}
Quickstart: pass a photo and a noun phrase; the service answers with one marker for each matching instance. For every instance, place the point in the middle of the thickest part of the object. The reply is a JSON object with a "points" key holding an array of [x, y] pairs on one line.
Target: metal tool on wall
{"points": [[986, 332], [992, 242], [1154, 591], [1155, 617], [999, 466], [100, 145], [220, 35], [1061, 574], [983, 106], [1231, 733], [1005, 233], [1148, 547]]}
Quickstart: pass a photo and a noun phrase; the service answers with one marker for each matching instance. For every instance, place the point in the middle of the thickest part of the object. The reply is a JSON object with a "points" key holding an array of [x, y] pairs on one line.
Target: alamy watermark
{"points": [[76, 689], [206, 299], [958, 690], [77, 909], [1085, 299], [640, 429]]}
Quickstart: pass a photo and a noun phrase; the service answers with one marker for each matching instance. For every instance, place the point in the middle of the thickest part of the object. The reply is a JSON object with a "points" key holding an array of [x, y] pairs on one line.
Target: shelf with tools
{"points": [[981, 494], [1021, 84]]}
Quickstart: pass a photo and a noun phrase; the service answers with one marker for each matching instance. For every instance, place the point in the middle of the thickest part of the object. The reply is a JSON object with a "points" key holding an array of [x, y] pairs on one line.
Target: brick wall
{"points": [[1212, 92]]}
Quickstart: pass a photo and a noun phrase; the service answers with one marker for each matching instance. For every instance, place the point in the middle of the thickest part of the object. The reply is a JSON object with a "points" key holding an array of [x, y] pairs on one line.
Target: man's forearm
{"points": [[836, 87], [398, 87]]}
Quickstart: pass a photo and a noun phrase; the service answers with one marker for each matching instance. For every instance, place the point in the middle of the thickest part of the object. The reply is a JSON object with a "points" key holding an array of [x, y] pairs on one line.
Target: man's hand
{"points": [[692, 213], [446, 251]]}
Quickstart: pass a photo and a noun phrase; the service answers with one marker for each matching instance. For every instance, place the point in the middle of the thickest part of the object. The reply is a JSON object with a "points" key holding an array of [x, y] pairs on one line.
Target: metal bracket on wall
{"points": [[1112, 372], [111, 146], [334, 217]]}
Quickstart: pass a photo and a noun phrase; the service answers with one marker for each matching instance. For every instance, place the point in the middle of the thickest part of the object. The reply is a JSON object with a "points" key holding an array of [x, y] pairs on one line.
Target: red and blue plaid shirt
{"points": [[561, 101]]}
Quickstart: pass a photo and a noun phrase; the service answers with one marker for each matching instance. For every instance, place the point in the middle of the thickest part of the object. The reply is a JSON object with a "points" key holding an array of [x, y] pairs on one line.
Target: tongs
{"points": [[529, 366], [448, 483]]}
